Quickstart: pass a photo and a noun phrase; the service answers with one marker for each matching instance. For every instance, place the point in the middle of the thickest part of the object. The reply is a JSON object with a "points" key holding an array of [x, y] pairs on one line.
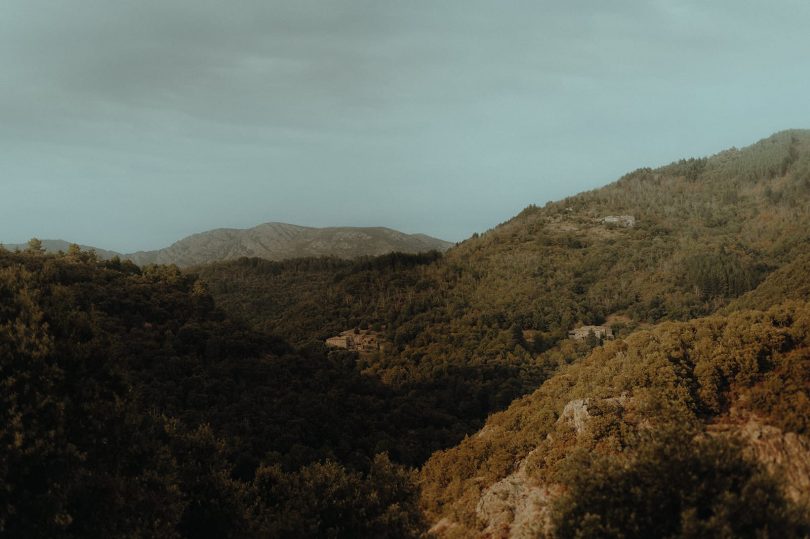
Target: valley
{"points": [[629, 360]]}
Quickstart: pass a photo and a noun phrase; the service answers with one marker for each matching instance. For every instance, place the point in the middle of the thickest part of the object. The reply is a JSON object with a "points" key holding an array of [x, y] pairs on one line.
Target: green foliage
{"points": [[787, 282], [131, 407], [719, 275], [35, 246], [674, 376], [326, 500], [690, 169], [672, 486], [427, 355], [74, 449], [783, 393]]}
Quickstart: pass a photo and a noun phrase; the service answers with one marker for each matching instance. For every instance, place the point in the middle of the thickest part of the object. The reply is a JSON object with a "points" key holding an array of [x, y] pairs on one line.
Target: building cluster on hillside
{"points": [[621, 220], [356, 340], [583, 332]]}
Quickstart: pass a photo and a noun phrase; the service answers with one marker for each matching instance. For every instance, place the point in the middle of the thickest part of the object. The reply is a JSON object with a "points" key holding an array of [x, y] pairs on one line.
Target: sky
{"points": [[128, 125]]}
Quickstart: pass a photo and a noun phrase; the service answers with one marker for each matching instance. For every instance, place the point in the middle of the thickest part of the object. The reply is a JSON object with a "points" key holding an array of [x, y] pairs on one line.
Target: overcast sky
{"points": [[130, 124]]}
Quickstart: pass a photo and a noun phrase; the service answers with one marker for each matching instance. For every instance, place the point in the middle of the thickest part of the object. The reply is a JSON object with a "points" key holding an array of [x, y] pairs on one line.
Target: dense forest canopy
{"points": [[133, 407]]}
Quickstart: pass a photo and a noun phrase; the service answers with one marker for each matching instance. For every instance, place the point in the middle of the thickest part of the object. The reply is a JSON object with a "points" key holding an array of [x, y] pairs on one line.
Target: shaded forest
{"points": [[132, 407]]}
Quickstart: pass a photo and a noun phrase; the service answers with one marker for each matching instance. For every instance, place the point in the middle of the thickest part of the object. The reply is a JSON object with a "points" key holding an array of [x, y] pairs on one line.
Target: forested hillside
{"points": [[695, 429], [706, 230], [150, 401], [131, 407], [488, 321]]}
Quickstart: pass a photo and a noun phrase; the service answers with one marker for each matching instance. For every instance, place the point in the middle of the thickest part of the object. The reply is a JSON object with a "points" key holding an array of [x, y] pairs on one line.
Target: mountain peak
{"points": [[278, 241]]}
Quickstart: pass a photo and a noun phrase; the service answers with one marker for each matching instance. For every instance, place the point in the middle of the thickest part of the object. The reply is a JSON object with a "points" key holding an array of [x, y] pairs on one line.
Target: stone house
{"points": [[583, 332], [356, 340], [628, 221]]}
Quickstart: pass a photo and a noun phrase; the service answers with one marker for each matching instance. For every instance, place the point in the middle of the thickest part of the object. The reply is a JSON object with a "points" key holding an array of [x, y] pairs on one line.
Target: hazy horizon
{"points": [[128, 127], [24, 244]]}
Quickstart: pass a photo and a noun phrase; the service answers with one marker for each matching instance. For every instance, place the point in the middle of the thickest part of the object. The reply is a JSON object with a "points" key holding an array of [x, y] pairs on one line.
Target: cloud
{"points": [[268, 108]]}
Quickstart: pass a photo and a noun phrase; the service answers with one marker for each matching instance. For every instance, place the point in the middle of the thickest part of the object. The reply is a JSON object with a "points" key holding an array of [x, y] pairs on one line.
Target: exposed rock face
{"points": [[576, 412], [786, 454], [515, 507], [443, 527]]}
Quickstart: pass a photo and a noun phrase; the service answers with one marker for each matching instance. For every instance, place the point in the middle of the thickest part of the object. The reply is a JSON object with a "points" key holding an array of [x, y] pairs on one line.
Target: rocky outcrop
{"points": [[443, 527], [576, 413], [785, 454], [518, 506], [515, 507]]}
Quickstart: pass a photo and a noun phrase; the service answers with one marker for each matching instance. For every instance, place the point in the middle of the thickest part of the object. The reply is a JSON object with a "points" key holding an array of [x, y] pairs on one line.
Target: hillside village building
{"points": [[582, 333], [621, 220], [355, 340]]}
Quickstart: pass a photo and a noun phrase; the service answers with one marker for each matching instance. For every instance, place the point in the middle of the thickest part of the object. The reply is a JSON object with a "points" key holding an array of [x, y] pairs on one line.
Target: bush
{"points": [[675, 486]]}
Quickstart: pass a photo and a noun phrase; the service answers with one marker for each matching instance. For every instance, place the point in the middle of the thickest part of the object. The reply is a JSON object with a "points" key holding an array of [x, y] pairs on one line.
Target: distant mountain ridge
{"points": [[273, 241], [54, 246], [279, 241]]}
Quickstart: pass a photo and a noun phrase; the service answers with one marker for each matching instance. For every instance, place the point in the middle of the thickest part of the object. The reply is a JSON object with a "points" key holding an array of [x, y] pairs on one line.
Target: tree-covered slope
{"points": [[489, 318], [697, 428], [790, 281], [131, 407]]}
